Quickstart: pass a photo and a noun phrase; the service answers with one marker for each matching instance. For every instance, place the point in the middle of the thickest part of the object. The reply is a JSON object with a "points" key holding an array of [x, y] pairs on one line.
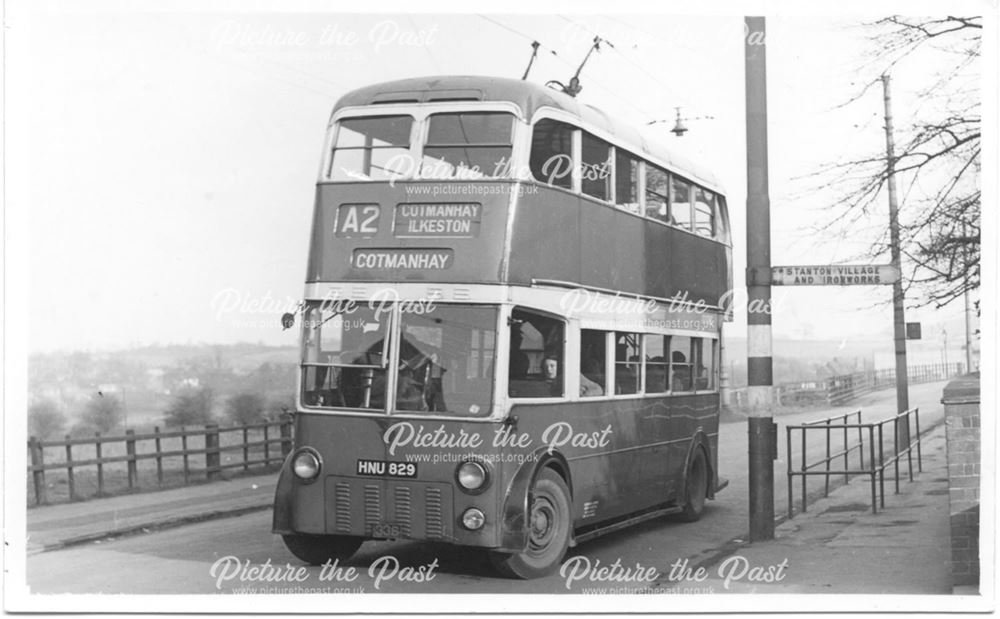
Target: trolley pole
{"points": [[898, 316], [760, 391]]}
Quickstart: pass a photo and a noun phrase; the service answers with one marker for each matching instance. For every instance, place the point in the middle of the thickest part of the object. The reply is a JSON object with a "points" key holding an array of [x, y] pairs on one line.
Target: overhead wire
{"points": [[555, 53], [632, 62]]}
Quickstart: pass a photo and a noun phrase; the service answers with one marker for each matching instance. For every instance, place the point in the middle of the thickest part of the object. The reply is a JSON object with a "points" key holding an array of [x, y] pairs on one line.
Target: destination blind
{"points": [[437, 220], [408, 259]]}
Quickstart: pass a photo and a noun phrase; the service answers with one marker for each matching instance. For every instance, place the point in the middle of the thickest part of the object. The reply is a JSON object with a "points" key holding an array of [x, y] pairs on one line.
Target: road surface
{"points": [[193, 559]]}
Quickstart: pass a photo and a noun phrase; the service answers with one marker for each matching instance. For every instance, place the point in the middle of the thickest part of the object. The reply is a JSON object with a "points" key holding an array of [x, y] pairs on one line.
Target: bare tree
{"points": [[937, 158]]}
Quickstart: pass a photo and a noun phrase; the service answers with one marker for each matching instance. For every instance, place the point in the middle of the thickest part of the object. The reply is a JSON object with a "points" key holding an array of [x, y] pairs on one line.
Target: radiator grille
{"points": [[434, 526], [404, 510], [342, 509], [421, 510], [373, 504]]}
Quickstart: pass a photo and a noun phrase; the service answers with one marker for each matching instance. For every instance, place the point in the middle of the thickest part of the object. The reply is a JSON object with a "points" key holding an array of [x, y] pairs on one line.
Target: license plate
{"points": [[385, 468], [385, 529]]}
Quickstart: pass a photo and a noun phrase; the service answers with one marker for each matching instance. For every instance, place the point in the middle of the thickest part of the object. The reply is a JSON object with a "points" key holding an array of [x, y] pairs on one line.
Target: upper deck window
{"points": [[680, 208], [552, 153], [657, 193], [704, 212], [371, 148], [626, 180], [468, 145], [596, 167]]}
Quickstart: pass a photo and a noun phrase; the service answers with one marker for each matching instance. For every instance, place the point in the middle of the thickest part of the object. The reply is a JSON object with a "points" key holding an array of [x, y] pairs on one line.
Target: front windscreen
{"points": [[446, 360], [444, 363], [371, 148], [344, 357], [468, 145]]}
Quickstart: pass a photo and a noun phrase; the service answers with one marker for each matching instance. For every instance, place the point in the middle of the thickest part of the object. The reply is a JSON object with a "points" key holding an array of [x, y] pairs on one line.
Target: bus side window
{"points": [[704, 212], [656, 363], [680, 207], [680, 363], [593, 355], [537, 356], [626, 181], [627, 362], [596, 167], [552, 153], [704, 364], [657, 193]]}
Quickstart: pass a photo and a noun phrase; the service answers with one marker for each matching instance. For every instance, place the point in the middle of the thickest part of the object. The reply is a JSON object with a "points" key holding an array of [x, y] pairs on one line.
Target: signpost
{"points": [[835, 275]]}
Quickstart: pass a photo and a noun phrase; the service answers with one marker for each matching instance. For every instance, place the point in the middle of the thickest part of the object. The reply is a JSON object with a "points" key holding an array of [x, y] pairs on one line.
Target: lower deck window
{"points": [[681, 348], [593, 359], [628, 363], [657, 365], [647, 363], [536, 356], [444, 362]]}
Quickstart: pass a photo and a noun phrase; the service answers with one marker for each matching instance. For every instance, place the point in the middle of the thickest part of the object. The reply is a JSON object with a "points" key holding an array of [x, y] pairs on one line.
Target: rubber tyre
{"points": [[318, 549], [550, 523], [695, 488]]}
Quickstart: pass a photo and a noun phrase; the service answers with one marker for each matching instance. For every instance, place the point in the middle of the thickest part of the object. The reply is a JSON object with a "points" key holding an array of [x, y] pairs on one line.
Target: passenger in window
{"points": [[626, 380], [593, 370], [550, 370], [589, 388], [681, 377], [702, 381]]}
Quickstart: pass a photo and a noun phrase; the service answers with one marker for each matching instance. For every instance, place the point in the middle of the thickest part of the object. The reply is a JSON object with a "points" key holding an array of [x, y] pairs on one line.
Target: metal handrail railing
{"points": [[903, 435]]}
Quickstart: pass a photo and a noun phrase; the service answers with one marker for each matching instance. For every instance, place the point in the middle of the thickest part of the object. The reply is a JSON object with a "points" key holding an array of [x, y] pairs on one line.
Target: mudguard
{"points": [[700, 440], [281, 520], [514, 513]]}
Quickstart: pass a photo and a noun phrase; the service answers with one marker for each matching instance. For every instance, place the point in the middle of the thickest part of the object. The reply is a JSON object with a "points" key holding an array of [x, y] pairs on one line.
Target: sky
{"points": [[167, 172]]}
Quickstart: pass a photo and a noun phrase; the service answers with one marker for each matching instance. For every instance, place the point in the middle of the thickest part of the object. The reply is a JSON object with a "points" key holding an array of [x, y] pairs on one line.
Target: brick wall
{"points": [[961, 400]]}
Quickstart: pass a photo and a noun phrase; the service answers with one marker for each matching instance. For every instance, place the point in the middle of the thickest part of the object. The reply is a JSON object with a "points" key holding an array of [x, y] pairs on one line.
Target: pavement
{"points": [[51, 527], [837, 545]]}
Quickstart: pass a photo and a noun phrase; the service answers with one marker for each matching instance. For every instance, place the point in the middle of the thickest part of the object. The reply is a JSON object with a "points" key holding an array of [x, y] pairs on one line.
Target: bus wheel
{"points": [[318, 549], [696, 488], [549, 524]]}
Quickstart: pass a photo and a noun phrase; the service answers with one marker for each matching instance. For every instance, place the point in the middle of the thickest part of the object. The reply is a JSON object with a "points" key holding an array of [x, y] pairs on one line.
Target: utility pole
{"points": [[762, 434], [944, 333], [968, 334], [968, 316], [898, 316]]}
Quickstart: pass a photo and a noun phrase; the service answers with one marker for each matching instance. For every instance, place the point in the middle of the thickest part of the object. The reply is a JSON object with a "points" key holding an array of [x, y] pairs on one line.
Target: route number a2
{"points": [[357, 220]]}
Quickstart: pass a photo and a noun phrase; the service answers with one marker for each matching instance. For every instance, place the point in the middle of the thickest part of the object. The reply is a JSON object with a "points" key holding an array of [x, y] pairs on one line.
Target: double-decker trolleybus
{"points": [[511, 331]]}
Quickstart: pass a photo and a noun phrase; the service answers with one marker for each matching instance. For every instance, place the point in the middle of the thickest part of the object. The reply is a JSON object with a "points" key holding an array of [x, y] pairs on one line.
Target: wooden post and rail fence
{"points": [[83, 467]]}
